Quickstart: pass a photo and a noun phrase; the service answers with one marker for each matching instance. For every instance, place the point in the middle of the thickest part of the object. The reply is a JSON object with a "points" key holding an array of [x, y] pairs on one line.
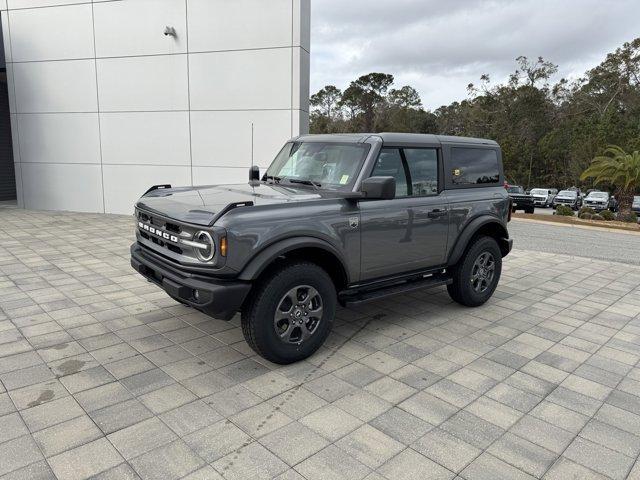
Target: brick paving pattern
{"points": [[104, 376]]}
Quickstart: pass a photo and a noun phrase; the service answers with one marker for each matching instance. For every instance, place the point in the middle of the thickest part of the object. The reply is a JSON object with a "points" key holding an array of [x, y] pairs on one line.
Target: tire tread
{"points": [[459, 290], [249, 313]]}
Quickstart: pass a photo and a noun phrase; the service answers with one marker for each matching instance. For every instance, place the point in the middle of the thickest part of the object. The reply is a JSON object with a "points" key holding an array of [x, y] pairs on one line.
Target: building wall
{"points": [[104, 105]]}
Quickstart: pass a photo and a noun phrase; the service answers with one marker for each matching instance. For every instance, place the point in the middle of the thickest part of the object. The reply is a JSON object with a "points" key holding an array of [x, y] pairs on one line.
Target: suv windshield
{"points": [[539, 191], [568, 193], [598, 195], [515, 189], [327, 165]]}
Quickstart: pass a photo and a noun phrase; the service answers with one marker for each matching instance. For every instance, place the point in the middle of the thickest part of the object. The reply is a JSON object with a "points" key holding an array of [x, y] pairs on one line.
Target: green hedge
{"points": [[584, 210], [608, 215], [564, 211]]}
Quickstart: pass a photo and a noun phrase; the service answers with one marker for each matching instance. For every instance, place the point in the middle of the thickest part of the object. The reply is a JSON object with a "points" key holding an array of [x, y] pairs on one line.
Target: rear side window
{"points": [[423, 169], [473, 166]]}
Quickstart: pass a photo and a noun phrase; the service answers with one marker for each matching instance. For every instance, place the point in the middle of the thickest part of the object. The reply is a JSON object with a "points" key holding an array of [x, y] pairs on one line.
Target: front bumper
{"points": [[217, 298], [520, 204], [567, 203], [598, 207]]}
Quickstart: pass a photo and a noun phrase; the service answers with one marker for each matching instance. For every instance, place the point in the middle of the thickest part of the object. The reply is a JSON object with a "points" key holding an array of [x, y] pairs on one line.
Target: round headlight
{"points": [[204, 254]]}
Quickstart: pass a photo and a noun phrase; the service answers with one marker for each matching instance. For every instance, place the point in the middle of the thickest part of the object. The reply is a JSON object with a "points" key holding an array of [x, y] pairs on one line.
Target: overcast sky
{"points": [[440, 46]]}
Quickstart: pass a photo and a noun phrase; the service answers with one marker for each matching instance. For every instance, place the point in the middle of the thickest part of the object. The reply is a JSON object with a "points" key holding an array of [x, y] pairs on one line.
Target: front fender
{"points": [[266, 256]]}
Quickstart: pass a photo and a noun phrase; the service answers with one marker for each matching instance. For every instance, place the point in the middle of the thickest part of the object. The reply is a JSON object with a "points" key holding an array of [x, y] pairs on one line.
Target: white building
{"points": [[103, 104]]}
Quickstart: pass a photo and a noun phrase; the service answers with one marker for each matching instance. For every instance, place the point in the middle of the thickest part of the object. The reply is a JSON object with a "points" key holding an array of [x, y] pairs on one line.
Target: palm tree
{"points": [[619, 168]]}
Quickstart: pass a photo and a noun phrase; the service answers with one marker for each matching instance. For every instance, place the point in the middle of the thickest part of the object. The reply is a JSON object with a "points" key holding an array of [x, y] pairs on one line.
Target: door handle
{"points": [[436, 212]]}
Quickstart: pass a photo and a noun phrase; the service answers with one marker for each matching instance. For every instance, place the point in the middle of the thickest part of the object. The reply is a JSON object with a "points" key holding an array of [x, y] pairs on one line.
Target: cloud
{"points": [[440, 46]]}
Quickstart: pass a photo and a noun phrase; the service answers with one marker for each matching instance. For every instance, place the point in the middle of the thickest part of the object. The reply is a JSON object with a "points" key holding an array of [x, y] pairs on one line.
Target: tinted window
{"points": [[568, 193], [423, 169], [598, 195], [332, 165], [539, 191], [472, 166], [389, 164]]}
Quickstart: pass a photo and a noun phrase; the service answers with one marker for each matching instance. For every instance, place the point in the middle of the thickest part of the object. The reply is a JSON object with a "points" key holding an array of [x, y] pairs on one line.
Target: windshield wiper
{"points": [[305, 182], [273, 178]]}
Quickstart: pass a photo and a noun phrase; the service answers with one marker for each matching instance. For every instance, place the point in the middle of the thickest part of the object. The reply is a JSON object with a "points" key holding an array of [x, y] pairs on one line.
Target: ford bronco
{"points": [[335, 219], [520, 200]]}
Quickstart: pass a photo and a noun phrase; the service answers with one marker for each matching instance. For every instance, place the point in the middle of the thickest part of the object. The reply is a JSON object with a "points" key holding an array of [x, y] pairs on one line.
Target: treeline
{"points": [[549, 133]]}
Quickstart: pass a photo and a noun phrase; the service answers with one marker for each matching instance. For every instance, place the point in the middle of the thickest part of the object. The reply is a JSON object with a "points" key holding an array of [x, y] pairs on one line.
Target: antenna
{"points": [[252, 144]]}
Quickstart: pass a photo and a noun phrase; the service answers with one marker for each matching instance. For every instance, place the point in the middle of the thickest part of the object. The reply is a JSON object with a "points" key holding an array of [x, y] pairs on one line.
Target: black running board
{"points": [[354, 298]]}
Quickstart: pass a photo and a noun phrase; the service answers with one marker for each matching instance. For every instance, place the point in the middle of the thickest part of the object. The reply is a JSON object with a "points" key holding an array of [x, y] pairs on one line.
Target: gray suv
{"points": [[335, 219]]}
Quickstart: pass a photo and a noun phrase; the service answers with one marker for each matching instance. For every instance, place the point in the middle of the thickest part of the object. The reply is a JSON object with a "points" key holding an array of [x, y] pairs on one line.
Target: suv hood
{"points": [[203, 205]]}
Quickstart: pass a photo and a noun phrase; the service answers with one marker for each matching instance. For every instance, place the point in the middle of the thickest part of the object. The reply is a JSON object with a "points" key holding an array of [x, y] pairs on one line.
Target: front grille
{"points": [[167, 237], [172, 227]]}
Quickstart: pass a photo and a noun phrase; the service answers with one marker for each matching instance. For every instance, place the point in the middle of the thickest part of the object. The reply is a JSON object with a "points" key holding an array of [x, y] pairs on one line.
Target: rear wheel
{"points": [[477, 274], [290, 313]]}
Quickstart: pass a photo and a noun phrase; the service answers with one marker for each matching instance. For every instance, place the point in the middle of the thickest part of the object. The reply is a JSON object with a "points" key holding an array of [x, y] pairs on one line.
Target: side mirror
{"points": [[380, 188], [254, 173]]}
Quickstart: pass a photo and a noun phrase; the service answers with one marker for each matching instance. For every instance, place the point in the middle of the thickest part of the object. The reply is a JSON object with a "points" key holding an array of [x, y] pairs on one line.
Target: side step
{"points": [[351, 299]]}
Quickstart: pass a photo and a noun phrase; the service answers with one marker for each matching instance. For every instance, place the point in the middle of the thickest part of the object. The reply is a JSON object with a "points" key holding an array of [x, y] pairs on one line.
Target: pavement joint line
{"points": [[292, 392]]}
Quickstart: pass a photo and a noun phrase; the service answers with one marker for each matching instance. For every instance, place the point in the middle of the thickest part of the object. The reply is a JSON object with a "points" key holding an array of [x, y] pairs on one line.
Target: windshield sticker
{"points": [[344, 179]]}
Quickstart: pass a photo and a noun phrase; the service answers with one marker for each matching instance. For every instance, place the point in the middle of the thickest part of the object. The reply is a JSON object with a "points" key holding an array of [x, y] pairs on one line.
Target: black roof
{"points": [[391, 137]]}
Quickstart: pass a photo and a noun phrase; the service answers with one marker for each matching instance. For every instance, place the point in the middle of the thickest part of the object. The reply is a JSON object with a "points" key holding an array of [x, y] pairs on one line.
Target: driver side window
{"points": [[415, 170], [390, 164]]}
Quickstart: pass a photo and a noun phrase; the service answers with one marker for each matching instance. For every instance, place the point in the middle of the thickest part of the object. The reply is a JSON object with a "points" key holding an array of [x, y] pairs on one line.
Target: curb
{"points": [[571, 225]]}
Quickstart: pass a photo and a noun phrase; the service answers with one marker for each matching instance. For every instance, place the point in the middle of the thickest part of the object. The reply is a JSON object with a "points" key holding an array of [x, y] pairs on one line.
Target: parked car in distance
{"points": [[635, 206], [543, 197], [520, 200], [335, 219], [571, 198], [599, 201]]}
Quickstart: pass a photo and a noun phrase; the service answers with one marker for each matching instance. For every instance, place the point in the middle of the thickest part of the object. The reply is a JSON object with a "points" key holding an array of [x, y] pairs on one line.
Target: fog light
{"points": [[196, 295]]}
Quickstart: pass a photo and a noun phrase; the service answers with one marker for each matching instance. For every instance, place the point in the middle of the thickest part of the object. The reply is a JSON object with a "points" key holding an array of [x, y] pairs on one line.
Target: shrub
{"points": [[630, 217], [585, 216], [597, 216], [564, 210], [607, 215], [588, 210]]}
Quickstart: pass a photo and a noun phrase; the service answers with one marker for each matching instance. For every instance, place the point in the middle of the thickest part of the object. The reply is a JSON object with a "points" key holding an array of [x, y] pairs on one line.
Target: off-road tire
{"points": [[258, 312], [530, 210], [461, 290]]}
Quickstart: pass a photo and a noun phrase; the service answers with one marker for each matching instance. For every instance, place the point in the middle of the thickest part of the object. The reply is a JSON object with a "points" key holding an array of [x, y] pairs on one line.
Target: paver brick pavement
{"points": [[104, 376]]}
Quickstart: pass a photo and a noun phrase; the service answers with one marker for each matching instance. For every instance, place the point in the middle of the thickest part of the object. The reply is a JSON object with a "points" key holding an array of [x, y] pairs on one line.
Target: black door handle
{"points": [[436, 212]]}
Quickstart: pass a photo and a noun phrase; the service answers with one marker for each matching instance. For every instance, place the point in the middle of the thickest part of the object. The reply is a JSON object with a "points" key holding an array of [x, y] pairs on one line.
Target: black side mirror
{"points": [[381, 188], [254, 173]]}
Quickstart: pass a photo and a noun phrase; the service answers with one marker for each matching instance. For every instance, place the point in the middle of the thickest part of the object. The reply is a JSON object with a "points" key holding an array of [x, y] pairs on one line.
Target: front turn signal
{"points": [[223, 246]]}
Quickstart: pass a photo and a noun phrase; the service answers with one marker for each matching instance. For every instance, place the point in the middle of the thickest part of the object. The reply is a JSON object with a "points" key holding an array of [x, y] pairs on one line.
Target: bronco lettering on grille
{"points": [[156, 231]]}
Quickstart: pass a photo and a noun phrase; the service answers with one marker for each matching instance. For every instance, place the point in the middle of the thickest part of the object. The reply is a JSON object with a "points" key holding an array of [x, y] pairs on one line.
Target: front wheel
{"points": [[290, 313], [477, 274]]}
